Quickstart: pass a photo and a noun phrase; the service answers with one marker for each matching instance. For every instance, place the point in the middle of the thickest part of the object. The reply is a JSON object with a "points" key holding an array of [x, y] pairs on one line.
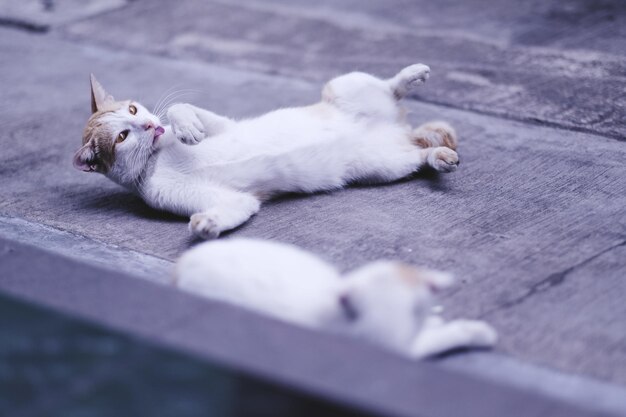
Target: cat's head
{"points": [[119, 136], [390, 295]]}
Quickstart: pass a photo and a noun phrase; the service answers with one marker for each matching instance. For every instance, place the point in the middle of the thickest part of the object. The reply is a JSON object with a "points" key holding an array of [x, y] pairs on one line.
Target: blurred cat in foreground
{"points": [[387, 303]]}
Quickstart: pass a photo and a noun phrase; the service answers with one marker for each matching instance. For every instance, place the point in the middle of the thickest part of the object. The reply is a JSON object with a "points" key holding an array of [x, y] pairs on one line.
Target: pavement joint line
{"points": [[86, 250], [23, 25], [573, 389]]}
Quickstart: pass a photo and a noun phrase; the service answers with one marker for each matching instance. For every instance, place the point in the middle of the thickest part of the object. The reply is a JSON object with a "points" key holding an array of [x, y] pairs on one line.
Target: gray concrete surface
{"points": [[533, 222]]}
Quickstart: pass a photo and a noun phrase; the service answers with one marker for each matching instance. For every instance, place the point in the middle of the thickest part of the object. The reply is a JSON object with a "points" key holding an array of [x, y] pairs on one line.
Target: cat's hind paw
{"points": [[443, 159], [203, 226], [186, 125], [408, 79], [415, 75]]}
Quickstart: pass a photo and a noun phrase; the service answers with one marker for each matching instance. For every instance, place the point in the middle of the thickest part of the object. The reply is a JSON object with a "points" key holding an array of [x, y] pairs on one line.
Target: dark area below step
{"points": [[52, 364]]}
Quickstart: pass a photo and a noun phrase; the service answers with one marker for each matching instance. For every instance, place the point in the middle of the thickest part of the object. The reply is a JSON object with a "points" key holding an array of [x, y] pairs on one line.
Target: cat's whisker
{"points": [[156, 106], [170, 97], [163, 113], [180, 94]]}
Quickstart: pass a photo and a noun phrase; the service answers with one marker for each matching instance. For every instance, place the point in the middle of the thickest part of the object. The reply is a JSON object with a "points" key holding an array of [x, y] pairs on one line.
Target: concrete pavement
{"points": [[533, 222]]}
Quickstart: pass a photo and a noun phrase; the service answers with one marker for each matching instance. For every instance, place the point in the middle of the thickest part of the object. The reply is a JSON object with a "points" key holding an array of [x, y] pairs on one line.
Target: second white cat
{"points": [[386, 303]]}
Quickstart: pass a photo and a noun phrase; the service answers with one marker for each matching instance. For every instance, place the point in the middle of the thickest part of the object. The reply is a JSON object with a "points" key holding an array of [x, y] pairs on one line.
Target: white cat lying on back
{"points": [[357, 132], [387, 303]]}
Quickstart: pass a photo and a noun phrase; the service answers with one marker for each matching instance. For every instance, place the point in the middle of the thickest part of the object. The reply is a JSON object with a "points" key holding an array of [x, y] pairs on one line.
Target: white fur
{"points": [[389, 303], [217, 170]]}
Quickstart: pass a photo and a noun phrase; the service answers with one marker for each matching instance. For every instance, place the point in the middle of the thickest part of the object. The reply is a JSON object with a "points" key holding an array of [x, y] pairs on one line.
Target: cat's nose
{"points": [[148, 126]]}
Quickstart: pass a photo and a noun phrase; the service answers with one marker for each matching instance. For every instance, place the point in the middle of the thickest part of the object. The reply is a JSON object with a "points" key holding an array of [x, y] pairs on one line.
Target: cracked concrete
{"points": [[546, 284]]}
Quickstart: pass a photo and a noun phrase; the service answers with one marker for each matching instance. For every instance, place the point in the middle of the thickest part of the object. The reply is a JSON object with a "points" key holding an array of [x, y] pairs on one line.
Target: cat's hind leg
{"points": [[438, 141], [434, 134], [364, 95], [440, 337], [382, 167], [408, 79]]}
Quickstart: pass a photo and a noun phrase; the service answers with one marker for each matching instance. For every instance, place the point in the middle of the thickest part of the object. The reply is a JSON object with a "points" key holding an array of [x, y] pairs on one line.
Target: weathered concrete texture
{"points": [[86, 250], [560, 63], [533, 222]]}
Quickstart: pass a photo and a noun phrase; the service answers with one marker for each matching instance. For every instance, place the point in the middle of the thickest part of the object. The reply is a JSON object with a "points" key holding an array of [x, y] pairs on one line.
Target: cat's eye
{"points": [[121, 137], [132, 109]]}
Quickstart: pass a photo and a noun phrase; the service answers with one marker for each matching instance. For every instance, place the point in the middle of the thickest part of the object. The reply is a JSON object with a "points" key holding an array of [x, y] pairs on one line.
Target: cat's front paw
{"points": [[203, 226], [185, 123], [444, 159]]}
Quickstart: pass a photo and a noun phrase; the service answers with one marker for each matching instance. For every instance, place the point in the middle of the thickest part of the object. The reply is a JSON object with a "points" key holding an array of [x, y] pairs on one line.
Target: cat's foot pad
{"points": [[186, 125], [408, 79], [203, 226], [415, 75], [444, 159]]}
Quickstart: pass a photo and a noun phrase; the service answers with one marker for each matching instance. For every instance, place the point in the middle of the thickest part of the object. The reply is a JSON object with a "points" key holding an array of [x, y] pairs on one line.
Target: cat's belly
{"points": [[291, 150], [278, 133]]}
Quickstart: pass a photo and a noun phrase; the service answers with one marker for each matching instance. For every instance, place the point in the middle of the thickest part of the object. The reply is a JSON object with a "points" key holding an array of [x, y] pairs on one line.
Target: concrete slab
{"points": [[544, 61], [83, 249], [529, 220]]}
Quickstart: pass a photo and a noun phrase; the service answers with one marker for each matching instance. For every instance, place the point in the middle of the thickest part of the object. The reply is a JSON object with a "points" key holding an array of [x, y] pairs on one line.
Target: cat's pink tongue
{"points": [[158, 131]]}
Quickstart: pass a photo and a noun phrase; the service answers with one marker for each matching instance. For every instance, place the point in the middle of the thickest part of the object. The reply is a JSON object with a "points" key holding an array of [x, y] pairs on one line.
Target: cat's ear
{"points": [[99, 96], [85, 159]]}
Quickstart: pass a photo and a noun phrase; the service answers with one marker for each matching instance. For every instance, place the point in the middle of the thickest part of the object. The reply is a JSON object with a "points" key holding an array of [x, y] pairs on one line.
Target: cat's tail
{"points": [[435, 133]]}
